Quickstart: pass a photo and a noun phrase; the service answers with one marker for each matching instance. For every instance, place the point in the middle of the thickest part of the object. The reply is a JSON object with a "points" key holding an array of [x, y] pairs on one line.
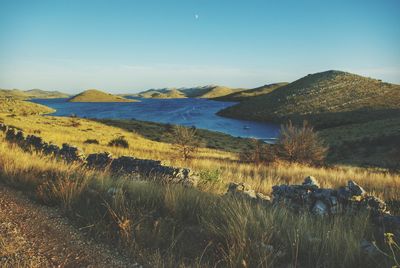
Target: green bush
{"points": [[119, 142], [91, 141]]}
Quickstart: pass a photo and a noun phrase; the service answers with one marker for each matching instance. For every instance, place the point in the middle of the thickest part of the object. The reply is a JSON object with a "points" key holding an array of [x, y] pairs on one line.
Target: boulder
{"points": [[243, 190], [51, 149], [356, 189], [35, 142], [71, 153], [311, 182], [99, 161], [11, 134]]}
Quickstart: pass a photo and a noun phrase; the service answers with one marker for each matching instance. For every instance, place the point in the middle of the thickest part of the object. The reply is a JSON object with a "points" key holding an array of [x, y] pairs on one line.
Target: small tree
{"points": [[258, 153], [302, 145], [185, 140]]}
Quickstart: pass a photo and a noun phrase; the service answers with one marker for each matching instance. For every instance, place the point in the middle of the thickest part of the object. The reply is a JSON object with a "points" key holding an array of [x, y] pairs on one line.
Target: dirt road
{"points": [[32, 235]]}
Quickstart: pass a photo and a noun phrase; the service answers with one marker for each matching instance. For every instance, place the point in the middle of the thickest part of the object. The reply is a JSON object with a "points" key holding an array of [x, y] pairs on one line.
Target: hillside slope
{"points": [[208, 92], [20, 107], [93, 95], [325, 99], [31, 94], [250, 93], [169, 94]]}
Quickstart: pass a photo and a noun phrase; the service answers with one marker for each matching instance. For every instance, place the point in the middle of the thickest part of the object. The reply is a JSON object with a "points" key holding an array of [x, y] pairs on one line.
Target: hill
{"points": [[208, 92], [250, 93], [43, 94], [218, 91], [93, 95], [168, 94], [326, 99], [20, 107], [31, 94]]}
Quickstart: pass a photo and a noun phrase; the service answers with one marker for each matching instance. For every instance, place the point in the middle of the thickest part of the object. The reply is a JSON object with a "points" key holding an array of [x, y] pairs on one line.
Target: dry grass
{"points": [[262, 178], [173, 226]]}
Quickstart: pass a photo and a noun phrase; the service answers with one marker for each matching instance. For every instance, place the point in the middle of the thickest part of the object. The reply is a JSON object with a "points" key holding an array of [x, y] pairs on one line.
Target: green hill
{"points": [[93, 95], [19, 107], [250, 93], [31, 94], [326, 99]]}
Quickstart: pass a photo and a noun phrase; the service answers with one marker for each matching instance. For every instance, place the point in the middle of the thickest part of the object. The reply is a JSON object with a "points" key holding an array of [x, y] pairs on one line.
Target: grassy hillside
{"points": [[208, 92], [325, 99], [375, 143], [31, 94], [250, 93], [93, 95], [218, 91], [172, 226], [224, 164], [13, 107], [169, 94]]}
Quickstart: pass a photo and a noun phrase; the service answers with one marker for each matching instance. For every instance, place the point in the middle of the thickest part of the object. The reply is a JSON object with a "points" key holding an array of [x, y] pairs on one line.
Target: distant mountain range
{"points": [[94, 95], [31, 94], [208, 92]]}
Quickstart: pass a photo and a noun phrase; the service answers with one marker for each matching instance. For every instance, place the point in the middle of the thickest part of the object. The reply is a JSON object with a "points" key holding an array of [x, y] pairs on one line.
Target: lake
{"points": [[188, 112]]}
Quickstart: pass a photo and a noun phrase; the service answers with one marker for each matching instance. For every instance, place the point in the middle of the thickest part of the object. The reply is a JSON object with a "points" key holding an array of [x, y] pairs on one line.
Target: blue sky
{"points": [[127, 46]]}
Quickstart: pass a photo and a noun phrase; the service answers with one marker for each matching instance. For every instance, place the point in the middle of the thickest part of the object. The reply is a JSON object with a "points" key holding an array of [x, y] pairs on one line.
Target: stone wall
{"points": [[145, 168], [309, 197]]}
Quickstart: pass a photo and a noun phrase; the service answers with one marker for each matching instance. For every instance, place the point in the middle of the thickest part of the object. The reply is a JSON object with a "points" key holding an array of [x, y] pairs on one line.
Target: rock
{"points": [[344, 194], [3, 127], [242, 190], [311, 182], [356, 189], [34, 142], [71, 153], [320, 208], [51, 149], [376, 205], [369, 248], [10, 134], [99, 161]]}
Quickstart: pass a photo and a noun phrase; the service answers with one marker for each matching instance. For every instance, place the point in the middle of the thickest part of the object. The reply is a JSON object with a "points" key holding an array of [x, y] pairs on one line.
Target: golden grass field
{"points": [[76, 131], [172, 226]]}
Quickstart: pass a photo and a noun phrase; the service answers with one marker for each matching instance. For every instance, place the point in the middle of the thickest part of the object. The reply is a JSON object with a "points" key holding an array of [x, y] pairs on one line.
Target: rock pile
{"points": [[309, 197], [125, 164], [242, 190]]}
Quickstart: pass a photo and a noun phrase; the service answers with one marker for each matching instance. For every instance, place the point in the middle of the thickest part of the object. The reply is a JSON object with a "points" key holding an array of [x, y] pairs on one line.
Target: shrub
{"points": [[301, 145], [75, 122], [259, 153], [185, 140], [119, 142], [91, 141]]}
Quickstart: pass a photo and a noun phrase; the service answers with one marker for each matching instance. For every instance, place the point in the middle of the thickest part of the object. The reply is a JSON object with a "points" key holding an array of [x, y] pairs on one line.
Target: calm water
{"points": [[187, 112]]}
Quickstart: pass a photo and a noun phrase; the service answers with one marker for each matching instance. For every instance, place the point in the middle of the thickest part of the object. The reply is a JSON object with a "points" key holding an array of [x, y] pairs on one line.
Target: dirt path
{"points": [[37, 236]]}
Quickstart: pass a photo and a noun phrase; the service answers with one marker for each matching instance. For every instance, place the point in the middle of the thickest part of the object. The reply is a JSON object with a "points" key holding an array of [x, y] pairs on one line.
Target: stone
{"points": [[376, 205], [242, 190], [311, 182], [11, 134], [35, 142], [320, 208], [71, 153], [51, 149], [356, 189], [99, 160]]}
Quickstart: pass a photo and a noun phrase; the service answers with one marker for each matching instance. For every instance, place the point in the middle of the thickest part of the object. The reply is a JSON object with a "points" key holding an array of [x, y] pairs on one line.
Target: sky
{"points": [[126, 46]]}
